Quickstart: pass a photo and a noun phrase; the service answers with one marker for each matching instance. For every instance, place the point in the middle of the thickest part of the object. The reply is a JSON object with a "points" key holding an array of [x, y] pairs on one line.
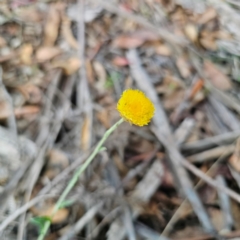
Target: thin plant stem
{"points": [[76, 176]]}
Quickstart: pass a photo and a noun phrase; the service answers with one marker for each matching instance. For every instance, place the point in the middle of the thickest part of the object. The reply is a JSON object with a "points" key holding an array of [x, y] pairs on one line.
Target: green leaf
{"points": [[40, 222]]}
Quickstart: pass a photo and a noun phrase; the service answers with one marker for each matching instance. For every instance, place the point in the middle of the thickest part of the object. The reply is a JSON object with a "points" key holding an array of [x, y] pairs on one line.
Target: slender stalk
{"points": [[76, 176]]}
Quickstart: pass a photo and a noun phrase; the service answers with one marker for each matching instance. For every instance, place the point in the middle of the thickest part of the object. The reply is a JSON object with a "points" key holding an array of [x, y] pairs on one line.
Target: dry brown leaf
{"points": [[86, 136], [67, 33], [52, 26], [69, 66], [120, 61], [47, 53], [222, 35], [207, 16], [25, 53], [183, 67], [217, 78], [32, 93], [163, 49], [103, 117], [89, 69], [134, 40], [191, 32], [172, 101], [209, 43], [101, 76], [127, 42], [217, 218], [234, 160], [58, 217], [57, 162], [19, 112], [170, 85]]}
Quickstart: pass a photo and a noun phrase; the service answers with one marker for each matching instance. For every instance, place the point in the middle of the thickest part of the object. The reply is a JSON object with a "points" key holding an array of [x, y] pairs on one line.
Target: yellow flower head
{"points": [[135, 107]]}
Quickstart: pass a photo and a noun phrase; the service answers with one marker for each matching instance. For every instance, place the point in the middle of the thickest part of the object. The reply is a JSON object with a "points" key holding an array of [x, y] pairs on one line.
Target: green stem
{"points": [[76, 176]]}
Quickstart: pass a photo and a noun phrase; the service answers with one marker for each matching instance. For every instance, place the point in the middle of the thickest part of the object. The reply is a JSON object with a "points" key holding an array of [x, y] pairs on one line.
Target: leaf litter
{"points": [[187, 52]]}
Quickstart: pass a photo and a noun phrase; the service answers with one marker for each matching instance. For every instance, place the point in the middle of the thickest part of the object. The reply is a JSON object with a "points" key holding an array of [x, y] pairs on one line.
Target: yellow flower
{"points": [[135, 107]]}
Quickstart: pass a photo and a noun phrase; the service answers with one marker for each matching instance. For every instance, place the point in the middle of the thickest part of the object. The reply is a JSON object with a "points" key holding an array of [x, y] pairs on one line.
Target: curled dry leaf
{"points": [[209, 43], [101, 76], [51, 27], [25, 54], [68, 34], [134, 40], [217, 78], [69, 66], [191, 32], [47, 53]]}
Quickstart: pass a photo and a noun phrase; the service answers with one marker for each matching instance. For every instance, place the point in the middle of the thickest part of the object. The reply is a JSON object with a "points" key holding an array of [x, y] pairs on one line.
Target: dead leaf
{"points": [[191, 32], [217, 78], [69, 66], [67, 33], [101, 76], [32, 93], [183, 67], [86, 136], [217, 218], [209, 43], [57, 161], [47, 53], [197, 86], [172, 101], [89, 69], [134, 40], [51, 26], [127, 42], [20, 112], [103, 117], [163, 49], [25, 54], [120, 61], [58, 217], [207, 16]]}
